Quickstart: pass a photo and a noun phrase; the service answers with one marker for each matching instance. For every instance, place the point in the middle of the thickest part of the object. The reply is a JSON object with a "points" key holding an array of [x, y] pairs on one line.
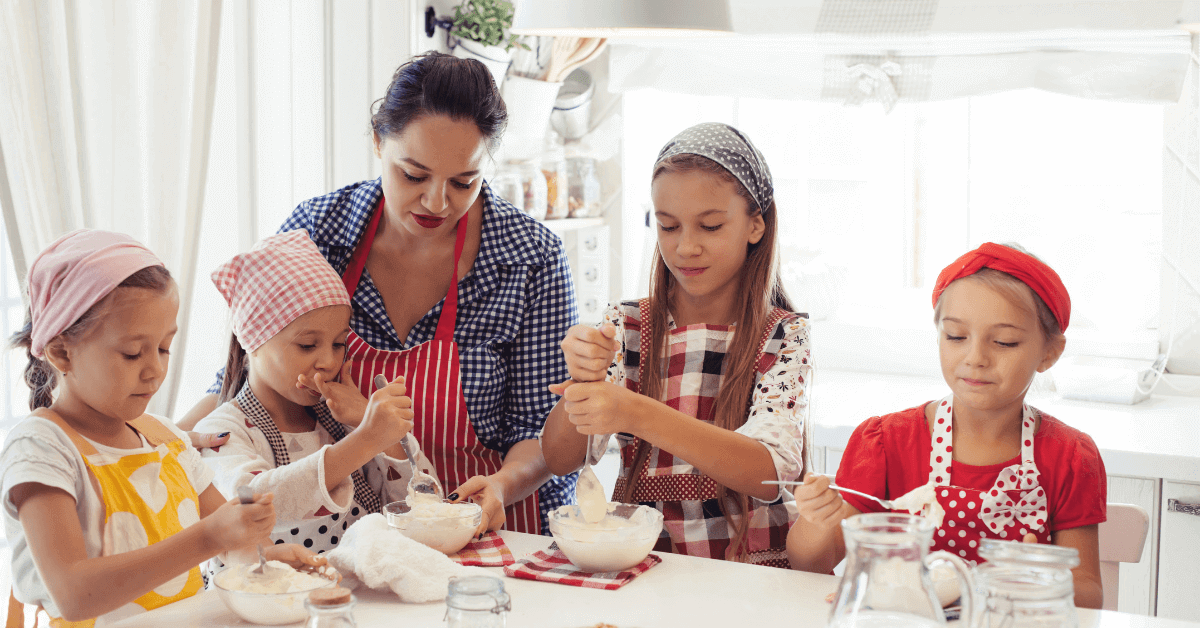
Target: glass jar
{"points": [[1025, 585], [477, 602], [507, 185], [554, 167], [583, 190], [331, 611]]}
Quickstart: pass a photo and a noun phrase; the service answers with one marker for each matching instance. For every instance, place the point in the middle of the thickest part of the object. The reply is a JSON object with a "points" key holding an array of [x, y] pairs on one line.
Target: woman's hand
{"points": [[597, 407], [345, 401], [389, 414], [590, 351], [486, 491], [818, 504], [236, 525]]}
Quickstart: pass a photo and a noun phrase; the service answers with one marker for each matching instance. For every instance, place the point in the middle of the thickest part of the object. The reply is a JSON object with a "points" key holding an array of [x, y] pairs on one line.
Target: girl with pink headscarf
{"points": [[108, 509], [297, 425]]}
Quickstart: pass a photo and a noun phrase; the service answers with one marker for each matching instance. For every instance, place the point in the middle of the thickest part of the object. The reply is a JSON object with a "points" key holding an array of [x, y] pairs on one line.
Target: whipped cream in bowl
{"points": [[443, 526], [621, 539], [271, 601]]}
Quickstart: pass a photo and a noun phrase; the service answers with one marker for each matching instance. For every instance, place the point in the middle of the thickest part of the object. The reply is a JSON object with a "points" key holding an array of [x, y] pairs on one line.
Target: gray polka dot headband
{"points": [[731, 149]]}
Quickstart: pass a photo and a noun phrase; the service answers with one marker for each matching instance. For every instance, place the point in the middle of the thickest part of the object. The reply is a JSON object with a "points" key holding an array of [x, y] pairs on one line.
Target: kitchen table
{"points": [[681, 592]]}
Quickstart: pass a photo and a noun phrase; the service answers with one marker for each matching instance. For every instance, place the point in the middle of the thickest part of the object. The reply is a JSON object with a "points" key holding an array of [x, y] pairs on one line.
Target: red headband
{"points": [[1032, 272]]}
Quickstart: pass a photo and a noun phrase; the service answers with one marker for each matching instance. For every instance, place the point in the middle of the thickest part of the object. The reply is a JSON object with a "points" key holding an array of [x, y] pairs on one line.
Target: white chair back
{"points": [[1122, 538]]}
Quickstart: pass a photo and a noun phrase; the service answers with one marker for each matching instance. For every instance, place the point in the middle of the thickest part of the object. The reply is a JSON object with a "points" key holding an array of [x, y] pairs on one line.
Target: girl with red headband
{"points": [[997, 467], [108, 509]]}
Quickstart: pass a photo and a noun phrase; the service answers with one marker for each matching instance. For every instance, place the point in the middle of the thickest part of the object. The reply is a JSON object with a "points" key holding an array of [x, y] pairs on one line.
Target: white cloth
{"points": [[305, 512], [376, 555], [779, 407], [38, 451]]}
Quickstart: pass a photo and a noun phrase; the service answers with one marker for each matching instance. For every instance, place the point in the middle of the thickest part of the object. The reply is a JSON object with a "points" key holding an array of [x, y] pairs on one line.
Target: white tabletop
{"points": [[681, 592]]}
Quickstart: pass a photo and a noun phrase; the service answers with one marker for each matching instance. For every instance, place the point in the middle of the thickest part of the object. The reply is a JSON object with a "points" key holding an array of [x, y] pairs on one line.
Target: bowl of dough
{"points": [[274, 599], [622, 539], [445, 527]]}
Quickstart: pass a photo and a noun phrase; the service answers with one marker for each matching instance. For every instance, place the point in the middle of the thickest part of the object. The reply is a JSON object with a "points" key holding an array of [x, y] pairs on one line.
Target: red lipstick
{"points": [[429, 222]]}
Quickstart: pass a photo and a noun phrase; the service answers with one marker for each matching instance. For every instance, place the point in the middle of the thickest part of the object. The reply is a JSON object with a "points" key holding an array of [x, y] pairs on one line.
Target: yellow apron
{"points": [[139, 518]]}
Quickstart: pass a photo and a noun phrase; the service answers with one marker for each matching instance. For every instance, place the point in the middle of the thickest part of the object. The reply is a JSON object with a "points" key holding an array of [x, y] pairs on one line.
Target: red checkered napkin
{"points": [[490, 551], [555, 567]]}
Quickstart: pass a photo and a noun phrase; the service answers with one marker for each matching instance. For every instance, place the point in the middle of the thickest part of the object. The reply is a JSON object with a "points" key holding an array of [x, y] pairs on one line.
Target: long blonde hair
{"points": [[761, 292]]}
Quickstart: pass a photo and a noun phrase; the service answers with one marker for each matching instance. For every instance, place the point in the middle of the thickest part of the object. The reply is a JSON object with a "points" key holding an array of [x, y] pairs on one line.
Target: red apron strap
{"points": [[358, 259], [445, 328]]}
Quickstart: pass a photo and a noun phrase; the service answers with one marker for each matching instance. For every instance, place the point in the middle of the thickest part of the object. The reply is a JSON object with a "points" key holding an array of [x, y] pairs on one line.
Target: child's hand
{"points": [[598, 407], [298, 556], [589, 351], [817, 503], [346, 403], [389, 415], [235, 525]]}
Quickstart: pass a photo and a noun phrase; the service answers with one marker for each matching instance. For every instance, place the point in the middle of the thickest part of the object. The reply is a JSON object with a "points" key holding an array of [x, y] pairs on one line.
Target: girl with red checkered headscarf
{"points": [[988, 465], [705, 382], [297, 425]]}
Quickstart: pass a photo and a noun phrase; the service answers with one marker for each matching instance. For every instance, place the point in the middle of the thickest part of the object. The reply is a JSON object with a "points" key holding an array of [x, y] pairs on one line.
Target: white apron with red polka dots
{"points": [[1013, 507]]}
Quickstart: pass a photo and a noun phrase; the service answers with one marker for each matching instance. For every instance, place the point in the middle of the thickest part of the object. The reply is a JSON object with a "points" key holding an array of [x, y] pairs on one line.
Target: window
{"points": [[873, 205]]}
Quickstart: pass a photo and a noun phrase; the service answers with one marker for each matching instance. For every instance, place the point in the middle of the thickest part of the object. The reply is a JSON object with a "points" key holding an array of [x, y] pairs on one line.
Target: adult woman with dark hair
{"points": [[445, 275]]}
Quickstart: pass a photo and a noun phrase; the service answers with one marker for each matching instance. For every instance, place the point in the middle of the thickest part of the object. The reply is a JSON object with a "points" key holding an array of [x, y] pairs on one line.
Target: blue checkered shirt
{"points": [[514, 308]]}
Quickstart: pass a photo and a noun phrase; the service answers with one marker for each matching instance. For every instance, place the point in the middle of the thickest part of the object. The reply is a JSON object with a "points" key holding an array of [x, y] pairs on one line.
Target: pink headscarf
{"points": [[281, 278], [74, 273]]}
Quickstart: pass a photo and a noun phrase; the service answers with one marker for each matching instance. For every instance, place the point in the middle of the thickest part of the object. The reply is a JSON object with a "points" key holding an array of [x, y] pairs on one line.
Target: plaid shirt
{"points": [[514, 308]]}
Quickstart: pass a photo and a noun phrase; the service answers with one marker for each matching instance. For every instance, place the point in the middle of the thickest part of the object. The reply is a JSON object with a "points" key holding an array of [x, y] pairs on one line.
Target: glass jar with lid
{"points": [[583, 186], [1025, 585], [330, 608], [554, 167], [477, 602]]}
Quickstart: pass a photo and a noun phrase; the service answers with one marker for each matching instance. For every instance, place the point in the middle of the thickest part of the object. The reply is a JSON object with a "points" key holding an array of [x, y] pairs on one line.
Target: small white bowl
{"points": [[603, 551], [444, 534], [271, 609]]}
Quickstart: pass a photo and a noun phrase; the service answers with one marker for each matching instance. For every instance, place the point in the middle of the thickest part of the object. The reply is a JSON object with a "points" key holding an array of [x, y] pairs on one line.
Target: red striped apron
{"points": [[432, 375]]}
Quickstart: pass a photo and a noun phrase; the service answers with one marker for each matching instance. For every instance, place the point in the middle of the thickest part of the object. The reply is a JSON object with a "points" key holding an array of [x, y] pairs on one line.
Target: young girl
{"points": [[108, 510], [717, 411], [999, 468], [291, 316]]}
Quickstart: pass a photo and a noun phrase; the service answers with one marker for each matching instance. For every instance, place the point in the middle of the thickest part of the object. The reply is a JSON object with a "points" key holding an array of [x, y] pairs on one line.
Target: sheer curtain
{"points": [[105, 113]]}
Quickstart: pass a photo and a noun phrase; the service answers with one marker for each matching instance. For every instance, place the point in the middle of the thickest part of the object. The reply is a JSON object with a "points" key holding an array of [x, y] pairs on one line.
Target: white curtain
{"points": [[105, 113]]}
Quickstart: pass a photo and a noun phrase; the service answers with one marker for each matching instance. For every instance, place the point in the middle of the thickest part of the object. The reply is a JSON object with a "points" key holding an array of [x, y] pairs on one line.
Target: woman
{"points": [[440, 267]]}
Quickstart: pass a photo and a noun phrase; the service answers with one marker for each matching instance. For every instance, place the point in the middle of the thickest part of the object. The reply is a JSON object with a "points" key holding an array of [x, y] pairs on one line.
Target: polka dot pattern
{"points": [[731, 149], [1014, 506]]}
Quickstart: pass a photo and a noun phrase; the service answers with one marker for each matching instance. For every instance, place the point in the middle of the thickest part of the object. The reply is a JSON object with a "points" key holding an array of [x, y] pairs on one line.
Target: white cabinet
{"points": [[1138, 580], [1179, 558]]}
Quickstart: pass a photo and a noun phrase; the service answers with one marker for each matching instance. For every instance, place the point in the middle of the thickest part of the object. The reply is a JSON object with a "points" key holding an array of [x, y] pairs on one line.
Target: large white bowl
{"points": [[271, 609], [444, 534], [602, 551]]}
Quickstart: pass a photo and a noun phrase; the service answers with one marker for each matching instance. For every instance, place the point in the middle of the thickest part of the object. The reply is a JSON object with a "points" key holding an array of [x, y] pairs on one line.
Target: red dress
{"points": [[1057, 483]]}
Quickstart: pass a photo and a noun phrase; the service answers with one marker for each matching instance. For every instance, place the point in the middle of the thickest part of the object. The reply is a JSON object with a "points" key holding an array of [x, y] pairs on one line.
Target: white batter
{"points": [[281, 578], [922, 501]]}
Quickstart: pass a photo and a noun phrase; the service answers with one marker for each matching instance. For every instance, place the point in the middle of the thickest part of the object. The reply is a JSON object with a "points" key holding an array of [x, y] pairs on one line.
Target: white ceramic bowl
{"points": [[271, 609], [601, 551], [444, 534]]}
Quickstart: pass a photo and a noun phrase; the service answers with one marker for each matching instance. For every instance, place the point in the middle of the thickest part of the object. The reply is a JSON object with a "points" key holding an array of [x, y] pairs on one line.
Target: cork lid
{"points": [[333, 596]]}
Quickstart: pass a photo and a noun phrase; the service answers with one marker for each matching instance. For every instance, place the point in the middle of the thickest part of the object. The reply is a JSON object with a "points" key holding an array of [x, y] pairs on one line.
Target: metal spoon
{"points": [[262, 572], [421, 482], [589, 492], [886, 503]]}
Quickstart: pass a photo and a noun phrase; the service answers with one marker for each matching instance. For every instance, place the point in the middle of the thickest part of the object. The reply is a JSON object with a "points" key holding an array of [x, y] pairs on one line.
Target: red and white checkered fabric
{"points": [[692, 519], [557, 568], [490, 551], [280, 279]]}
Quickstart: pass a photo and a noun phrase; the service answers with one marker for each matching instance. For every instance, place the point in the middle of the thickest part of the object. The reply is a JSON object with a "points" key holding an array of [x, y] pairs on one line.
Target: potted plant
{"points": [[482, 28]]}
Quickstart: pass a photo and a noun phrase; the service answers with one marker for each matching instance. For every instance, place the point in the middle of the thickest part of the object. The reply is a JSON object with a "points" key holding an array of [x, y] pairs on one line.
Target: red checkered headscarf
{"points": [[1031, 271], [280, 279]]}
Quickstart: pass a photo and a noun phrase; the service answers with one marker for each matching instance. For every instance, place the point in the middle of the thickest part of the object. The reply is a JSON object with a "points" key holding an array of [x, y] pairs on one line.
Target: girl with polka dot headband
{"points": [[108, 509], [704, 383], [997, 467], [297, 424]]}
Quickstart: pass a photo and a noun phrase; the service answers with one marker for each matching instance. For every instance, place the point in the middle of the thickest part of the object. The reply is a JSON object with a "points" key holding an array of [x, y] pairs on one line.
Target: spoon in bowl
{"points": [[262, 572], [421, 483]]}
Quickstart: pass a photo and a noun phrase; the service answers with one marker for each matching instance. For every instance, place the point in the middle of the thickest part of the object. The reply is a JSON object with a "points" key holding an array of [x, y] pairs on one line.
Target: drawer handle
{"points": [[1174, 505]]}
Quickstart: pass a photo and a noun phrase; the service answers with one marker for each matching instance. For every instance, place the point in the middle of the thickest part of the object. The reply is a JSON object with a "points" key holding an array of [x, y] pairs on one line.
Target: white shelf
{"points": [[563, 225]]}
